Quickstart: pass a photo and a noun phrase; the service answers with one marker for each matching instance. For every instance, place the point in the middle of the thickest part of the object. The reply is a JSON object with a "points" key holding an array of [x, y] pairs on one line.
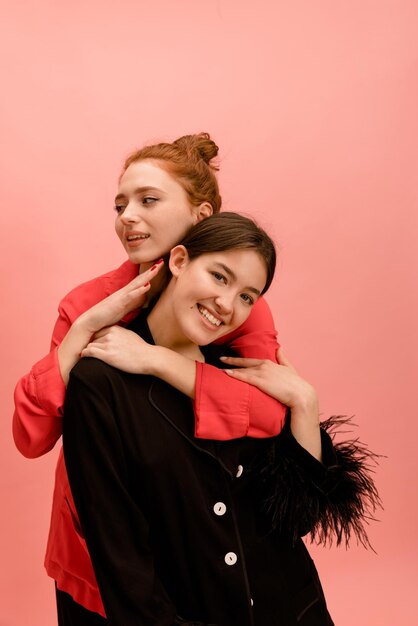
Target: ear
{"points": [[179, 259], [202, 211]]}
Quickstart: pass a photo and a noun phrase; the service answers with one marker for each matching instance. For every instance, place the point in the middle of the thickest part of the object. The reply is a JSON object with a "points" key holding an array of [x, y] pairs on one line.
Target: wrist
{"points": [[304, 421], [305, 400], [157, 361], [83, 325]]}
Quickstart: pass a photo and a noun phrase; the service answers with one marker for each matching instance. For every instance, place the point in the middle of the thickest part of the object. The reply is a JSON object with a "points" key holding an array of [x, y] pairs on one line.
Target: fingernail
{"points": [[160, 261], [147, 284], [154, 266], [223, 358]]}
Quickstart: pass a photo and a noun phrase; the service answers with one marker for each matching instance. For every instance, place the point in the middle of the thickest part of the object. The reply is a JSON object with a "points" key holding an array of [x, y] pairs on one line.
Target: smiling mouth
{"points": [[136, 237], [208, 316]]}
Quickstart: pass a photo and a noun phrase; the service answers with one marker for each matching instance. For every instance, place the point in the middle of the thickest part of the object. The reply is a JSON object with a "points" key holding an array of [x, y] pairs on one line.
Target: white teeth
{"points": [[213, 320], [134, 237]]}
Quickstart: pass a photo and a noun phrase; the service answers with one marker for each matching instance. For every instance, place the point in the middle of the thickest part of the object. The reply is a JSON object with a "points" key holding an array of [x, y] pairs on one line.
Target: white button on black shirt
{"points": [[240, 469], [219, 508], [231, 558]]}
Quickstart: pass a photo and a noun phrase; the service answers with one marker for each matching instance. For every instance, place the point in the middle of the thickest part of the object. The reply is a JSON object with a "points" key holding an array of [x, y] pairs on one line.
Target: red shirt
{"points": [[225, 408]]}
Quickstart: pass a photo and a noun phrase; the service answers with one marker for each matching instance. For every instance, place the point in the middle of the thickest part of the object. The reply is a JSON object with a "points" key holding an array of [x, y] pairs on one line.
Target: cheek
{"points": [[169, 226], [183, 218], [242, 312], [204, 286], [188, 291]]}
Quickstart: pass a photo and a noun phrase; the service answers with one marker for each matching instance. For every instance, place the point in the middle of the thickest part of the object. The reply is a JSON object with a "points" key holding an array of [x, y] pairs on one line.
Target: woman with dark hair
{"points": [[164, 189], [189, 531]]}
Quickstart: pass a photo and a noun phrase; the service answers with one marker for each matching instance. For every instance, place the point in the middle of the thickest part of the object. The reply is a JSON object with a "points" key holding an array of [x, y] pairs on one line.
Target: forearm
{"points": [[77, 338]]}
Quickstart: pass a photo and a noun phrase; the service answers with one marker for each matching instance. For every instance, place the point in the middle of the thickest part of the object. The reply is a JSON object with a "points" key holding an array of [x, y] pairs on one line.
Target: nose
{"points": [[225, 303], [130, 214]]}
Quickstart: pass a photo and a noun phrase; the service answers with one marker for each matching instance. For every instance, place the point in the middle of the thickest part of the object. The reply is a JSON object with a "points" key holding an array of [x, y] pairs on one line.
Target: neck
{"points": [[165, 330]]}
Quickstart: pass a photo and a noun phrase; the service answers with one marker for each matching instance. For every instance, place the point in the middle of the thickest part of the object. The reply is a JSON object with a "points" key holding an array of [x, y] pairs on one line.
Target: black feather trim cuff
{"points": [[333, 500]]}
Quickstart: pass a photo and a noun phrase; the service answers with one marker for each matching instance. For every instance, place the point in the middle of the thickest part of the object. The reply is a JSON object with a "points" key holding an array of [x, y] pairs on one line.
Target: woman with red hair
{"points": [[164, 190]]}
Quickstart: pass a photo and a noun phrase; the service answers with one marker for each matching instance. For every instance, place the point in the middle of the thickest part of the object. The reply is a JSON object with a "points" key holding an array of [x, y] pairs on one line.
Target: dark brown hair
{"points": [[230, 231], [189, 161]]}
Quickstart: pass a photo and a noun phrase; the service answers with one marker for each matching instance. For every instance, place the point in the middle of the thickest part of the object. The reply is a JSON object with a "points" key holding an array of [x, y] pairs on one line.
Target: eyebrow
{"points": [[231, 274], [139, 190]]}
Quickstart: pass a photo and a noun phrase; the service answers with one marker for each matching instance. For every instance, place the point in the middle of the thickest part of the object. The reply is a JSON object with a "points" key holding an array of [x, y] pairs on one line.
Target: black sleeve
{"points": [[333, 499], [115, 528]]}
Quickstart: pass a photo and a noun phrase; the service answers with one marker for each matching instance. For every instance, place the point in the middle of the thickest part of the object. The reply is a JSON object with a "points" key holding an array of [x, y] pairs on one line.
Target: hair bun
{"points": [[200, 144]]}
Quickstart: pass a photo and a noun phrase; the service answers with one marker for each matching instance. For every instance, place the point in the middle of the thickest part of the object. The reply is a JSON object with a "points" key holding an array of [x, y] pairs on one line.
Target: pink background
{"points": [[314, 106]]}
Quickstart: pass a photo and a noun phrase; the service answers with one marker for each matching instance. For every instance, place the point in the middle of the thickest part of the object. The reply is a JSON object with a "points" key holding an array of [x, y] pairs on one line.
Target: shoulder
{"points": [[94, 377], [89, 293], [92, 370], [103, 389]]}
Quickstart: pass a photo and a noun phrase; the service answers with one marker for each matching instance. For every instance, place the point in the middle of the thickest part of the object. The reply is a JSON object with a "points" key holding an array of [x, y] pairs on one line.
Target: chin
{"points": [[205, 339], [199, 338], [138, 258]]}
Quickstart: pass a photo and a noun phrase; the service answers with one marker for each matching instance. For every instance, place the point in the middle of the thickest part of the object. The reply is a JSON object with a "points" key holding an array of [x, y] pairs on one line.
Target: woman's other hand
{"points": [[281, 381]]}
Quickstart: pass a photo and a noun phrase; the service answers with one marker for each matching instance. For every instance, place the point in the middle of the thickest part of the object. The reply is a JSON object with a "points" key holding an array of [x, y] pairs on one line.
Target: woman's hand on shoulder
{"points": [[123, 349], [279, 380]]}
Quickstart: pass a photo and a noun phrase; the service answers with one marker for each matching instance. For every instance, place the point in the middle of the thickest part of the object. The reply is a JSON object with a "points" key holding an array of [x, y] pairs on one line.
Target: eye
{"points": [[119, 208], [149, 200], [219, 277], [247, 299]]}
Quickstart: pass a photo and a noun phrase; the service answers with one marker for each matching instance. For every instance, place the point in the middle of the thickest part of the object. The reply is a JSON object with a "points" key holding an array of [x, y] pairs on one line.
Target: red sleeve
{"points": [[39, 395], [226, 408]]}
